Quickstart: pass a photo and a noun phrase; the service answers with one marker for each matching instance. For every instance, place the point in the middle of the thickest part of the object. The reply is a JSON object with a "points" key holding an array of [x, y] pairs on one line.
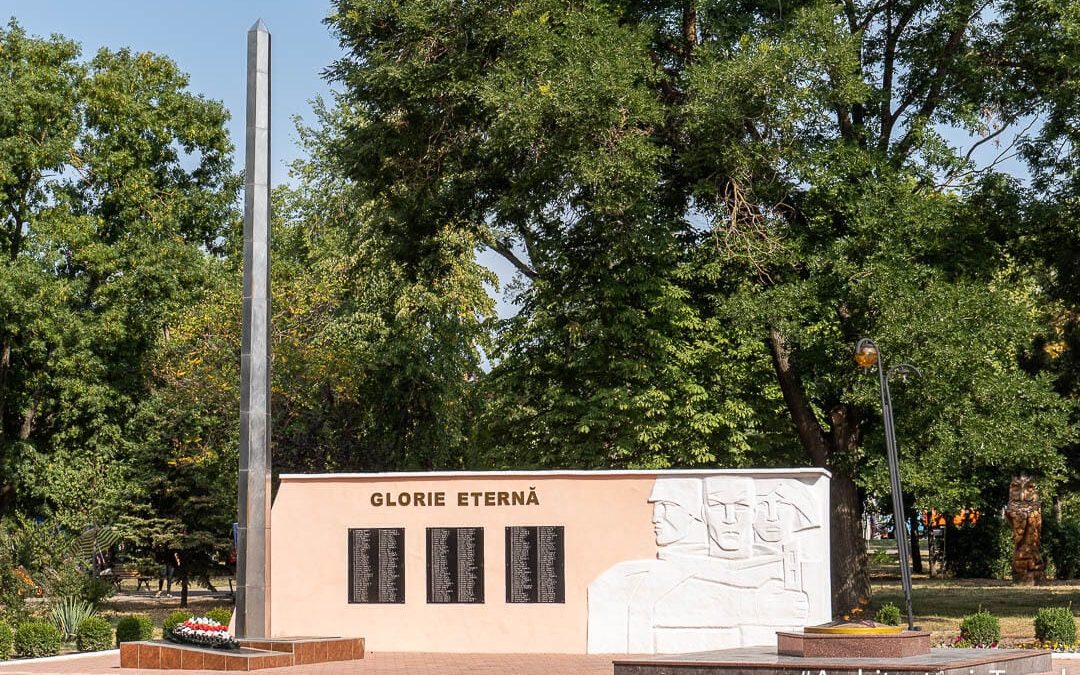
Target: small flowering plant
{"points": [[961, 642], [1056, 647], [204, 632]]}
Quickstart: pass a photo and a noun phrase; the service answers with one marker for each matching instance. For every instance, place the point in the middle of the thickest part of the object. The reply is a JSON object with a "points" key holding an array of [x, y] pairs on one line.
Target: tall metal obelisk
{"points": [[253, 551]]}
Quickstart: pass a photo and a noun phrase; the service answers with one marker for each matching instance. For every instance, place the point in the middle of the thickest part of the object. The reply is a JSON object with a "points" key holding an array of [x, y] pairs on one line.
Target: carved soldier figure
{"points": [[711, 586]]}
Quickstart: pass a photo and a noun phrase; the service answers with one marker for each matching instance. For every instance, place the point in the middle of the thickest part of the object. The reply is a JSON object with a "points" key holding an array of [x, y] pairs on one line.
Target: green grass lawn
{"points": [[940, 603]]}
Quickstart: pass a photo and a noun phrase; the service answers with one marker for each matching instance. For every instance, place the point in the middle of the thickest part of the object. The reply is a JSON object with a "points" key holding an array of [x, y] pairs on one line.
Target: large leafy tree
{"points": [[370, 371], [115, 183], [708, 203]]}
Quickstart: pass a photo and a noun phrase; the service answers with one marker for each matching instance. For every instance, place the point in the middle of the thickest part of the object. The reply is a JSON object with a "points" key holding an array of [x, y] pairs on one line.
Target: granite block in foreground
{"points": [[766, 661]]}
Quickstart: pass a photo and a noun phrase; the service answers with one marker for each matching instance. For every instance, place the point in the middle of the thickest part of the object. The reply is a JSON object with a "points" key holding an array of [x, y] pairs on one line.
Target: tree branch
{"points": [[1001, 156], [933, 92], [689, 29], [502, 247], [888, 117], [811, 435]]}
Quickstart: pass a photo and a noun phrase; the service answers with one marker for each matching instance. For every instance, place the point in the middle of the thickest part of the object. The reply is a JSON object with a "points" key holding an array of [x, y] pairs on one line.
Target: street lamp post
{"points": [[867, 355]]}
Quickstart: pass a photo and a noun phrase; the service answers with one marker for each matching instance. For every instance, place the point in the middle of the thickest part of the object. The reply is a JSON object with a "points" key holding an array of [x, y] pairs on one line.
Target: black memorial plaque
{"points": [[535, 562], [455, 565], [377, 565]]}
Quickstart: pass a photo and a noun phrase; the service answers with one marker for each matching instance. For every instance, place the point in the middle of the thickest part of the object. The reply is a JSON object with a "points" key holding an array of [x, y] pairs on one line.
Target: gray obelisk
{"points": [[253, 551]]}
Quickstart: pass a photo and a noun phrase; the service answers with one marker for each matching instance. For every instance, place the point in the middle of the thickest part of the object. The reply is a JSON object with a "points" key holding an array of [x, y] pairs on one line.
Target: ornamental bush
{"points": [[7, 640], [980, 550], [94, 635], [981, 629], [173, 620], [37, 638], [1055, 624], [888, 614], [1061, 542], [221, 615], [134, 627]]}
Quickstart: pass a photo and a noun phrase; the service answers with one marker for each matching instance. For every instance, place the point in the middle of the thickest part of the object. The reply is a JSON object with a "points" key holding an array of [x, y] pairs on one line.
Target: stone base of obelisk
{"points": [[252, 655]]}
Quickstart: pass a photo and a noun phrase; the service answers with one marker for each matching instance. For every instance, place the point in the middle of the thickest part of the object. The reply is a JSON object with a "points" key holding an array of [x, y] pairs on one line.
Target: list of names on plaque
{"points": [[455, 565], [535, 562], [376, 565]]}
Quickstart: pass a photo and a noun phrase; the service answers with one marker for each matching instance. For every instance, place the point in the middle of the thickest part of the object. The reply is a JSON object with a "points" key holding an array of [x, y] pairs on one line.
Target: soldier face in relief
{"points": [[671, 522], [773, 520], [729, 508], [676, 516]]}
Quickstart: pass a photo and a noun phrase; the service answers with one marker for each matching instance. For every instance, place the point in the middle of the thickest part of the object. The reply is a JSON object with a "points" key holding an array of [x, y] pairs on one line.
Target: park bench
{"points": [[118, 574]]}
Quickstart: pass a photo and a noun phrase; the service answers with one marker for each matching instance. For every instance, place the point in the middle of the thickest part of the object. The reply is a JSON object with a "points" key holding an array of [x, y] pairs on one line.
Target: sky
{"points": [[208, 40]]}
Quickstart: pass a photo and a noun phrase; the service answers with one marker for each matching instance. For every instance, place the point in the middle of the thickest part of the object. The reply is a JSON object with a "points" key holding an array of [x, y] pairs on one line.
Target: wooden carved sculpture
{"points": [[1024, 513]]}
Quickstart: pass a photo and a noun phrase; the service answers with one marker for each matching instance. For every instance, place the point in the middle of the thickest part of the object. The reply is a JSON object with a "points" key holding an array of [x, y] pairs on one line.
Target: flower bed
{"points": [[1056, 647], [961, 643], [203, 632]]}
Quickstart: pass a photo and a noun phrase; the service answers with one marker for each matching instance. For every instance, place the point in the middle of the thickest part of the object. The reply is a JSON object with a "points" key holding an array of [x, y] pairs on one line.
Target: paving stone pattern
{"points": [[389, 663]]}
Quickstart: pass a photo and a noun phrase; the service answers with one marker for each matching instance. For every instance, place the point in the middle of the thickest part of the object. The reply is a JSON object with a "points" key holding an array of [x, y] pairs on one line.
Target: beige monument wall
{"points": [[651, 561]]}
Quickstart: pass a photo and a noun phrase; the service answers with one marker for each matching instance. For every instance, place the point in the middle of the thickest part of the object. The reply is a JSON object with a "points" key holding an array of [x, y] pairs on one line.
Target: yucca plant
{"points": [[69, 613]]}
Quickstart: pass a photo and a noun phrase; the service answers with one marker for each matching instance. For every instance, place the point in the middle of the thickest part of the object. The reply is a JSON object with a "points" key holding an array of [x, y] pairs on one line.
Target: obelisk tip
{"points": [[259, 27]]}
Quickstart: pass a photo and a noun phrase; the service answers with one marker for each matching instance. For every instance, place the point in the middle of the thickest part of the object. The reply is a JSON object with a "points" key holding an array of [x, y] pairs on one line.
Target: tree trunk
{"points": [[5, 366], [916, 554], [183, 589], [834, 451], [7, 498], [850, 581]]}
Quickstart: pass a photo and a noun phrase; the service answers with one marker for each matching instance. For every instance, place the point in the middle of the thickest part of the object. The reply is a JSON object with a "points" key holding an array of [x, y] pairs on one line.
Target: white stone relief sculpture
{"points": [[738, 558]]}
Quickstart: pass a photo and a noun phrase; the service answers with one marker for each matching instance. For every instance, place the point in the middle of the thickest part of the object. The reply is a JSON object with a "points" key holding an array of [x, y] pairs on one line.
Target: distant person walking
{"points": [[169, 561]]}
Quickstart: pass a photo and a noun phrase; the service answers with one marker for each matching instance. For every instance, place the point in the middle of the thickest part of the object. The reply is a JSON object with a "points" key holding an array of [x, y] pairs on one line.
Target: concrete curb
{"points": [[62, 657]]}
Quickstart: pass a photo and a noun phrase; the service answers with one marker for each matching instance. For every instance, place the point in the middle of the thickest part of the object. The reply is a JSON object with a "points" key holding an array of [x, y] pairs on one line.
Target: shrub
{"points": [[981, 629], [94, 635], [220, 614], [1055, 624], [174, 619], [37, 638], [888, 614], [68, 580], [980, 550], [134, 627], [69, 613], [1061, 543], [7, 640]]}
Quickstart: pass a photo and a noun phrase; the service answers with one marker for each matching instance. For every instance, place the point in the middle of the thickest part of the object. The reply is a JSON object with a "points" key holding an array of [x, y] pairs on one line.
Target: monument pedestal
{"points": [[890, 645], [844, 650], [253, 654]]}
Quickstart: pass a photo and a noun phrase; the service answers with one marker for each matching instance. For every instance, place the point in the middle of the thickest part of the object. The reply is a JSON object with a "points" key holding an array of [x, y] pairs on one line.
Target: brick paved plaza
{"points": [[387, 663]]}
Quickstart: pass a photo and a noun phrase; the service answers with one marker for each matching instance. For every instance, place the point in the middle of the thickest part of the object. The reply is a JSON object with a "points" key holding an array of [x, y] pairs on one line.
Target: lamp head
{"points": [[866, 354]]}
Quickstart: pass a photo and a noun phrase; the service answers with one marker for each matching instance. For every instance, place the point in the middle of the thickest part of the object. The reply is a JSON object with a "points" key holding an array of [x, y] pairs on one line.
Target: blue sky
{"points": [[208, 41]]}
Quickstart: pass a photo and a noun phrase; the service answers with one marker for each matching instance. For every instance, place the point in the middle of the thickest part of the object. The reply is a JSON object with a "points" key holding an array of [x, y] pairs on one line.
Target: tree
{"points": [[114, 184], [377, 360], [708, 205]]}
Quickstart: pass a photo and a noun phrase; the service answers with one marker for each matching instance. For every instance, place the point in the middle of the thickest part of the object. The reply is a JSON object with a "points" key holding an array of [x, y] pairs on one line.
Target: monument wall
{"points": [[559, 562]]}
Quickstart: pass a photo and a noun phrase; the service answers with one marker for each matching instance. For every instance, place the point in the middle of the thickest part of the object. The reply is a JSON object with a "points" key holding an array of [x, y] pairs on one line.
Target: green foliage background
{"points": [[706, 204]]}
